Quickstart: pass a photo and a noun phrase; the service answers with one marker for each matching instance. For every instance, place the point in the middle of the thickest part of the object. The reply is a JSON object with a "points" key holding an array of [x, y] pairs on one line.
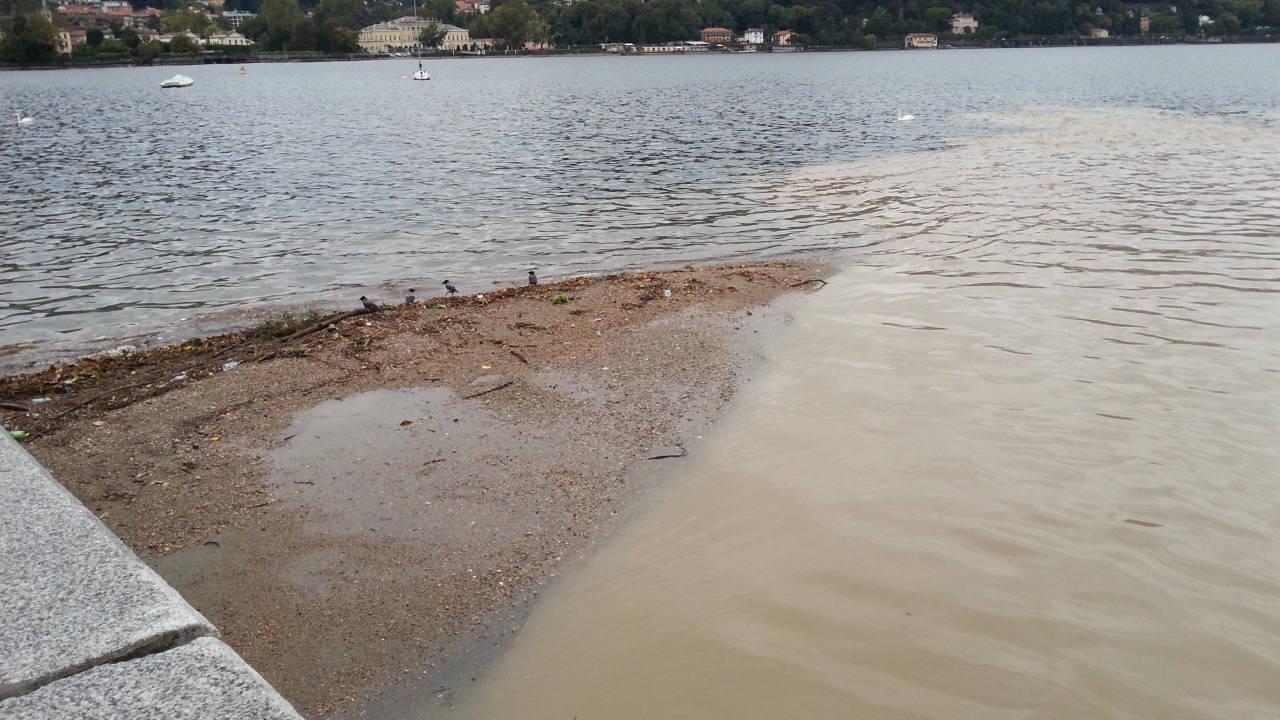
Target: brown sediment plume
{"points": [[364, 505]]}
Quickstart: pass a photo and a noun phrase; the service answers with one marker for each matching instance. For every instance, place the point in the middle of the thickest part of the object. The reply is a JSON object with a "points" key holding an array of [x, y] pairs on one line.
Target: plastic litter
{"points": [[37, 401], [230, 365], [19, 434], [180, 378], [560, 300], [666, 293]]}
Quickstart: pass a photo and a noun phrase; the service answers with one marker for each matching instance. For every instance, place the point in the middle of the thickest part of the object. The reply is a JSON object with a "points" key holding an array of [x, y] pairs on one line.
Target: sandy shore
{"points": [[368, 511]]}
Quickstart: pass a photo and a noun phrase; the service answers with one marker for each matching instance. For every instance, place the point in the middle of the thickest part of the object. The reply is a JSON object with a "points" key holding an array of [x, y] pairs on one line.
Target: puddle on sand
{"points": [[384, 468], [399, 462]]}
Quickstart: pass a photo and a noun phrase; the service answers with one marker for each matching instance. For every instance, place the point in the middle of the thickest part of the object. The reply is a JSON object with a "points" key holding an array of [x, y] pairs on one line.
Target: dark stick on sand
{"points": [[683, 453], [486, 392]]}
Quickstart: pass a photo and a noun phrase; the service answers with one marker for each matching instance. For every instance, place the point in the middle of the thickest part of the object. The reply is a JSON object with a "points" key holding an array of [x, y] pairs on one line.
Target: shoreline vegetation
{"points": [[287, 57], [368, 504], [32, 34]]}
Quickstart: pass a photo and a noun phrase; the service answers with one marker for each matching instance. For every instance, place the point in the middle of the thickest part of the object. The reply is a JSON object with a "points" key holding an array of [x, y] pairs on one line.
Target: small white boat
{"points": [[421, 75], [177, 81]]}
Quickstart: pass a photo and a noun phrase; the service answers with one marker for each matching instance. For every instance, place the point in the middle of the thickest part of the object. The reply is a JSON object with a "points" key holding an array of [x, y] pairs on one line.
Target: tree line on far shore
{"points": [[849, 22], [332, 26]]}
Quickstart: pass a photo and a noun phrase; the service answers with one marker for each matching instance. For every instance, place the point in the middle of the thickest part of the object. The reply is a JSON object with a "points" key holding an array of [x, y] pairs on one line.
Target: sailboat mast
{"points": [[418, 40]]}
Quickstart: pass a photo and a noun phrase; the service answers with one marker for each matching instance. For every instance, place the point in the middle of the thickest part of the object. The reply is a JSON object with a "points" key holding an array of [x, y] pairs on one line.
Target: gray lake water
{"points": [[131, 213]]}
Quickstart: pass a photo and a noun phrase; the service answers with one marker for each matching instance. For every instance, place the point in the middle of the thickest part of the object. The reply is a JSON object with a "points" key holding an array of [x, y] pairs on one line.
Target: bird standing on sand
{"points": [[368, 304], [410, 299], [449, 286], [533, 279]]}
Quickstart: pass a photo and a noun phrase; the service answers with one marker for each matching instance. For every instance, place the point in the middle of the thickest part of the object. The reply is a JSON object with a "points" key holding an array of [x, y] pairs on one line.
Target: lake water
{"points": [[1018, 461], [131, 213]]}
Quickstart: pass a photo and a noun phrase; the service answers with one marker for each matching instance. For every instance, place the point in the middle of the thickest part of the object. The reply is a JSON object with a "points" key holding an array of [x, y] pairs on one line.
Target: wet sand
{"points": [[367, 512]]}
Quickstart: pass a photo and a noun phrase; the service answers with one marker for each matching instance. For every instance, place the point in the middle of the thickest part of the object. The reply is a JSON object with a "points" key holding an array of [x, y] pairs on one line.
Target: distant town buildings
{"points": [[716, 35], [106, 13], [753, 36], [916, 41], [1099, 33], [783, 38], [684, 46], [235, 17], [168, 37], [69, 40], [962, 23], [473, 7]]}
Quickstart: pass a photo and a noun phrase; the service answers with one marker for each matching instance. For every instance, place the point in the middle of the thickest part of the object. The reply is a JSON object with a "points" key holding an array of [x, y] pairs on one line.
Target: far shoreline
{"points": [[188, 61]]}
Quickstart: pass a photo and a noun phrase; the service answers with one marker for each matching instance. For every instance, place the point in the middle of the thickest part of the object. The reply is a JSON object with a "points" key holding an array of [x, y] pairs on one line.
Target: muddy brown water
{"points": [[1020, 462]]}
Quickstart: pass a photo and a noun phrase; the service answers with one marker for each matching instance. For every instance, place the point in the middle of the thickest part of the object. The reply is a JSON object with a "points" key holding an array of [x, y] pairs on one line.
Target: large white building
{"points": [[962, 23], [920, 40], [402, 33], [231, 39], [235, 17]]}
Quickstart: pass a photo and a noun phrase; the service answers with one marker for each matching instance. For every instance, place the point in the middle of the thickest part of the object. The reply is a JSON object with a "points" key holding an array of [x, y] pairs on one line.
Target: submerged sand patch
{"points": [[364, 525]]}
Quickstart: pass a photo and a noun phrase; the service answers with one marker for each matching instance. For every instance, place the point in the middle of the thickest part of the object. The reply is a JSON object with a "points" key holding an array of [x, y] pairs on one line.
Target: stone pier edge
{"points": [[87, 629]]}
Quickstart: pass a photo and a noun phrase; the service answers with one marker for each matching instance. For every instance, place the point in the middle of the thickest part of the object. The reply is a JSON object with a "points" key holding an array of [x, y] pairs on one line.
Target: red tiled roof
{"points": [[717, 30]]}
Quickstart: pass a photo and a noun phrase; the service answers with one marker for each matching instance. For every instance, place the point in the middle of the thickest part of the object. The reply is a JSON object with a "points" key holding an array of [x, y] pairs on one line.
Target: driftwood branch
{"points": [[221, 352], [15, 408], [486, 392], [96, 398], [812, 280], [323, 324], [520, 357]]}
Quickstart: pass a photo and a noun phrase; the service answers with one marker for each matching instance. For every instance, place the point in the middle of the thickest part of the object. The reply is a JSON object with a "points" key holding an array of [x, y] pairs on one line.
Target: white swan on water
{"points": [[22, 120], [905, 118]]}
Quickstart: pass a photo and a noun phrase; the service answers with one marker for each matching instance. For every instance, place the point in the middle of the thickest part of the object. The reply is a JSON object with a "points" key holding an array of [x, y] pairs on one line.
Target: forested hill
{"points": [[844, 22]]}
